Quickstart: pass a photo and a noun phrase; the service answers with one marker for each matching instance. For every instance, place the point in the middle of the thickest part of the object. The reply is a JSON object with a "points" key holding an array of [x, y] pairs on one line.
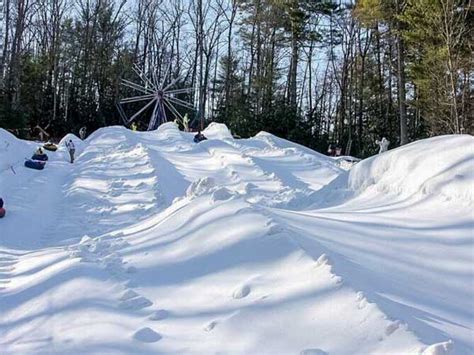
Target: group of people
{"points": [[335, 150], [38, 161], [198, 137]]}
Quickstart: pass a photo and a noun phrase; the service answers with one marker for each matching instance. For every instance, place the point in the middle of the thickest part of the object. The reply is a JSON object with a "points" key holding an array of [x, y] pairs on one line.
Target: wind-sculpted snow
{"points": [[150, 243], [13, 151], [441, 166]]}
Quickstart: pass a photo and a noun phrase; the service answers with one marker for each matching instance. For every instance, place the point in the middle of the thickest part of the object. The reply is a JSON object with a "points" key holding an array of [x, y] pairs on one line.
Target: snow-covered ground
{"points": [[151, 243]]}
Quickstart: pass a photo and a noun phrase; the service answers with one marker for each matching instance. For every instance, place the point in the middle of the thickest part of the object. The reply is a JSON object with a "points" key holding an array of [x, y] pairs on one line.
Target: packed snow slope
{"points": [[151, 243]]}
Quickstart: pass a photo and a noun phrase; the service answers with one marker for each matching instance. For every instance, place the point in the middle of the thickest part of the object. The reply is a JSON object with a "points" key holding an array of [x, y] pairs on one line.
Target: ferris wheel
{"points": [[161, 95]]}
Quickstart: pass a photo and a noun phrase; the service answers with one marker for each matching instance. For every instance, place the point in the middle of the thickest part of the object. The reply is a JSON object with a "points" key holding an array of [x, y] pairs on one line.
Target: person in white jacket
{"points": [[72, 149], [383, 144]]}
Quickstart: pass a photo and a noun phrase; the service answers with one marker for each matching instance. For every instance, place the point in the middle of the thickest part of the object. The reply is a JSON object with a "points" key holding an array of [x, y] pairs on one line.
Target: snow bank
{"points": [[346, 162], [436, 166], [167, 127], [280, 143], [103, 130], [217, 269], [13, 150], [217, 131]]}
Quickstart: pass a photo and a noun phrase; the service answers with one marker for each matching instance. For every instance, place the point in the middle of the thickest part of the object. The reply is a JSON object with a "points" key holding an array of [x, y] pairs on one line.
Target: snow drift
{"points": [[151, 243], [439, 167], [13, 151]]}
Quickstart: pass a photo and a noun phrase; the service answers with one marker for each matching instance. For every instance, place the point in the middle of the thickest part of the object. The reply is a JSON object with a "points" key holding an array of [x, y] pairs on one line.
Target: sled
{"points": [[50, 146], [41, 157], [2, 212], [34, 164]]}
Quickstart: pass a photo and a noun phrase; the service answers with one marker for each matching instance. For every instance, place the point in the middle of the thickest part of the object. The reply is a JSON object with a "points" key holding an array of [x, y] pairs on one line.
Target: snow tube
{"points": [[198, 139], [50, 146], [33, 164], [42, 157], [2, 212]]}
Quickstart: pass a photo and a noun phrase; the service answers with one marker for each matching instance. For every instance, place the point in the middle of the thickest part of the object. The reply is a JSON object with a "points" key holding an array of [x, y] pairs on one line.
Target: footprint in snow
{"points": [[146, 335], [392, 327], [115, 193], [136, 303], [159, 315], [117, 184], [210, 326], [275, 229], [221, 194], [130, 284], [313, 352], [131, 270], [241, 292], [128, 294]]}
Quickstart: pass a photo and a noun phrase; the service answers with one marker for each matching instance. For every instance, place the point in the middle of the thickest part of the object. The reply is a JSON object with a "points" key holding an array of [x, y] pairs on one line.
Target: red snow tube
{"points": [[2, 212]]}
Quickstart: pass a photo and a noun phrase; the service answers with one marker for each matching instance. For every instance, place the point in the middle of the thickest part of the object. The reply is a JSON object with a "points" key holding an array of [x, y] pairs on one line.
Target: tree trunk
{"points": [[401, 82]]}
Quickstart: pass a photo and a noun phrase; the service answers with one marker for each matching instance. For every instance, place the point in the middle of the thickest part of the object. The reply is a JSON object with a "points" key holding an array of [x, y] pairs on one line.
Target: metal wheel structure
{"points": [[159, 95]]}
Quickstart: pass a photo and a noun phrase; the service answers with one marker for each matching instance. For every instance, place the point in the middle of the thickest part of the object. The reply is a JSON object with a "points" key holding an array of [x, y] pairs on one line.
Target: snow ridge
{"points": [[152, 243]]}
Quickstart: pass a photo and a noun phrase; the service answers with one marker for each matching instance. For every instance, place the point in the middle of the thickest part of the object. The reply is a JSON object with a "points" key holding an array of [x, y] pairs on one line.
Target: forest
{"points": [[312, 71]]}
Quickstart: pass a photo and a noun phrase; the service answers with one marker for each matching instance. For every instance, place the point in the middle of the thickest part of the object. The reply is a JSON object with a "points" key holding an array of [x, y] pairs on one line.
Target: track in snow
{"points": [[181, 247]]}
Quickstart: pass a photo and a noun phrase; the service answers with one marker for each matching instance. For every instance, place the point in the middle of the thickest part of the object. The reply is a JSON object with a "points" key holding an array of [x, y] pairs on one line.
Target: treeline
{"points": [[313, 71]]}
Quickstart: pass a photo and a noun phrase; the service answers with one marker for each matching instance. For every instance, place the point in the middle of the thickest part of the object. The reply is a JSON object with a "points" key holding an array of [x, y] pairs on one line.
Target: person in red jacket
{"points": [[2, 210]]}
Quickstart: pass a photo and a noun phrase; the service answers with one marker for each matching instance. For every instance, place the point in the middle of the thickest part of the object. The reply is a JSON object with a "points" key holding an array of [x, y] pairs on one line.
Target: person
{"points": [[332, 150], [39, 155], [134, 126], [2, 210], [199, 137], [72, 149], [383, 144], [83, 132], [186, 123]]}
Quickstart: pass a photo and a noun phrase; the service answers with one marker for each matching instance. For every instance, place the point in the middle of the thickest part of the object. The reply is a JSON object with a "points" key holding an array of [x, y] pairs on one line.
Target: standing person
{"points": [[383, 144], [134, 126], [72, 149]]}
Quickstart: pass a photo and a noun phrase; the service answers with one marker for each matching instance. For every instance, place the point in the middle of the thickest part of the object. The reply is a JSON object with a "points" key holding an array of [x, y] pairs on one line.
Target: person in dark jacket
{"points": [[199, 137], [40, 155], [2, 210]]}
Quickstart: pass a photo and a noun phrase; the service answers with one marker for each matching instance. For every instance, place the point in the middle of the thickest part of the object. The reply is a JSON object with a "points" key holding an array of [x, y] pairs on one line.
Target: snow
{"points": [[441, 165], [150, 243], [13, 151]]}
